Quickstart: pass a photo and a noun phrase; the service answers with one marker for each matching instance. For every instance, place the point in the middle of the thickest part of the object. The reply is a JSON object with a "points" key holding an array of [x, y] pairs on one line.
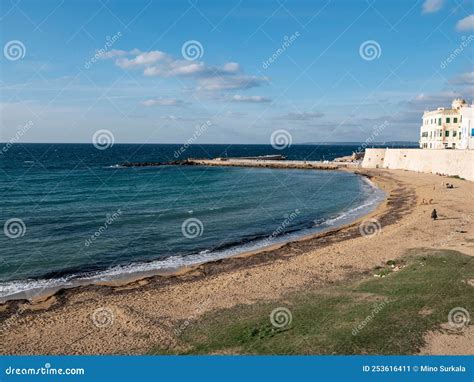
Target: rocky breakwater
{"points": [[237, 162], [156, 164], [245, 162]]}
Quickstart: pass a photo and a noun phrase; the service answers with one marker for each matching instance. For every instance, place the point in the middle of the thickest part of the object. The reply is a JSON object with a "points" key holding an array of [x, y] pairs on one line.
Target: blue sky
{"points": [[143, 87]]}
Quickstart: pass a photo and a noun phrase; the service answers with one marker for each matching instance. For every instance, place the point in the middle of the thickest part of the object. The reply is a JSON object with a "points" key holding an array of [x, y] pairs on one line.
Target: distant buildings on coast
{"points": [[449, 133], [448, 128]]}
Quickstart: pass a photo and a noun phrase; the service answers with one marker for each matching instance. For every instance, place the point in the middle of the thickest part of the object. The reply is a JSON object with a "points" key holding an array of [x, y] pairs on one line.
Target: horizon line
{"points": [[209, 144]]}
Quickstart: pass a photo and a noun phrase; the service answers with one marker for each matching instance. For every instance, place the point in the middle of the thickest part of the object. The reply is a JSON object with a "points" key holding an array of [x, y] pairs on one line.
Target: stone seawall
{"points": [[248, 162], [446, 162], [235, 162]]}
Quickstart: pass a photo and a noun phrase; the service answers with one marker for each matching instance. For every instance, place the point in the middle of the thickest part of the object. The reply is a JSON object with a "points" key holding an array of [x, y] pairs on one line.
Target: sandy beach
{"points": [[133, 318]]}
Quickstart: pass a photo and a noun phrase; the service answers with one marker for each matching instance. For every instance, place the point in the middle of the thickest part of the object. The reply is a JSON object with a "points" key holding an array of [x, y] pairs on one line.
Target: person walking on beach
{"points": [[434, 214]]}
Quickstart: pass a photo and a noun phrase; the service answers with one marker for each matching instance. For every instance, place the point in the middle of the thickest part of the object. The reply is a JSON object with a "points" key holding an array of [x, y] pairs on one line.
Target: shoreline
{"points": [[132, 279], [150, 311], [134, 272]]}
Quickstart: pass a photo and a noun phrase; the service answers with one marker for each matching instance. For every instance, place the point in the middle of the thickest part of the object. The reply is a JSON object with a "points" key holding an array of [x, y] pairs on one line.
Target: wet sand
{"points": [[131, 318]]}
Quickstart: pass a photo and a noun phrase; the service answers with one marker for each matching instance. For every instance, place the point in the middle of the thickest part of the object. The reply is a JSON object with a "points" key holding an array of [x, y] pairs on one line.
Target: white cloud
{"points": [[466, 24], [179, 118], [302, 116], [163, 102], [464, 79], [183, 68], [250, 99], [432, 6], [113, 53], [218, 83], [445, 96], [430, 101], [210, 78], [176, 69], [146, 58], [232, 67]]}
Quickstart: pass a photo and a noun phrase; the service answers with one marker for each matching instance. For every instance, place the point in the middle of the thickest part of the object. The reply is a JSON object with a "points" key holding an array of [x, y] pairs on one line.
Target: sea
{"points": [[71, 214]]}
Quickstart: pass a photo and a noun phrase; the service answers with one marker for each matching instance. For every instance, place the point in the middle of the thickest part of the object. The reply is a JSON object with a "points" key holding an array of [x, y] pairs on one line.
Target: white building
{"points": [[448, 128], [467, 128]]}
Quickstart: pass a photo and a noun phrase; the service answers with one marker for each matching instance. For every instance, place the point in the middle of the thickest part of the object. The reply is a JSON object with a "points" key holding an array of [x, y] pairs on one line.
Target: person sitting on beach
{"points": [[434, 214]]}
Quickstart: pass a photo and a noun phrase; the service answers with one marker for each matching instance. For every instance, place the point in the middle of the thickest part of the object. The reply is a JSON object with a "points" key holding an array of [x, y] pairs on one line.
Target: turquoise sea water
{"points": [[70, 216]]}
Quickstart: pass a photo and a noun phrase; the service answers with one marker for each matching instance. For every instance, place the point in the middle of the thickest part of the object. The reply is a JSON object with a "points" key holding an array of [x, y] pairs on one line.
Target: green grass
{"points": [[399, 308], [456, 177]]}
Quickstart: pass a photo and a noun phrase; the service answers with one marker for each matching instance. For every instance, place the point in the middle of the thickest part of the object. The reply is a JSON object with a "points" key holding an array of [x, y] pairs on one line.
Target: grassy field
{"points": [[388, 314]]}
